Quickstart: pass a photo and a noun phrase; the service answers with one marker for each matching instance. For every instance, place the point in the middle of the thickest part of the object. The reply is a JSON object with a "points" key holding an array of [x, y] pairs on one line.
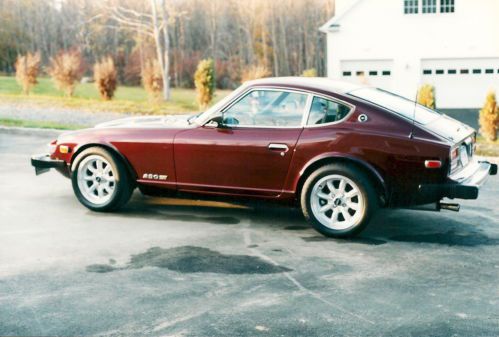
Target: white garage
{"points": [[377, 73], [461, 83], [400, 45]]}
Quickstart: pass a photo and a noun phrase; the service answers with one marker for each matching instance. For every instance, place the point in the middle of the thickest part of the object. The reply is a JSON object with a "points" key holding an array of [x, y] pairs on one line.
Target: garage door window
{"points": [[446, 6], [429, 6], [411, 6]]}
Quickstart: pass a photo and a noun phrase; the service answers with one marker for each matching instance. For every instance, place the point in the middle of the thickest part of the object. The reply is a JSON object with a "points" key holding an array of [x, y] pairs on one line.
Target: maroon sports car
{"points": [[338, 150]]}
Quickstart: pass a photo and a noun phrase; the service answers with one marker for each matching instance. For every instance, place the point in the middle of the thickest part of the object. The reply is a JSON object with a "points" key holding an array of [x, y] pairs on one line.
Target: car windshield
{"points": [[397, 104], [203, 117]]}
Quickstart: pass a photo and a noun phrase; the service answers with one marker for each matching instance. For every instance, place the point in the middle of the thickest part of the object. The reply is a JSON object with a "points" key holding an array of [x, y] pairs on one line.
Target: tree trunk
{"points": [[166, 52], [160, 51], [284, 46], [274, 40]]}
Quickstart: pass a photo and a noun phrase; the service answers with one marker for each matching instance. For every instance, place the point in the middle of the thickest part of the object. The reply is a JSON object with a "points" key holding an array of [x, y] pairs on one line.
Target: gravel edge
{"points": [[30, 131]]}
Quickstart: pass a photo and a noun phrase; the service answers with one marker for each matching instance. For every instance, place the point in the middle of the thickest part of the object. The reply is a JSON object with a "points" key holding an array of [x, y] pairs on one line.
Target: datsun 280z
{"points": [[339, 151]]}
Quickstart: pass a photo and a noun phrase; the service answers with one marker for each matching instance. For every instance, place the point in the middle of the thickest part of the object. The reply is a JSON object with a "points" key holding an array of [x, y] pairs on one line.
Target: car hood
{"points": [[170, 121], [449, 128]]}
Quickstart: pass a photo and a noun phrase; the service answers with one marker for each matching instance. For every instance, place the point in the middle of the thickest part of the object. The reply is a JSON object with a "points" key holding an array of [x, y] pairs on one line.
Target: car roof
{"points": [[309, 83]]}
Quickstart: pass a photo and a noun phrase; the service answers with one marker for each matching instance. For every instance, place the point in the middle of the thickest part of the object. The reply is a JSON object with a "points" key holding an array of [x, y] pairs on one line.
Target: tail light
{"points": [[473, 143], [454, 159], [433, 164], [461, 154]]}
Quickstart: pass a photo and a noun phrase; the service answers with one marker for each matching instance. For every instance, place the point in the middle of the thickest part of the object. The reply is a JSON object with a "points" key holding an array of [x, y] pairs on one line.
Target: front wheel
{"points": [[100, 180], [338, 200]]}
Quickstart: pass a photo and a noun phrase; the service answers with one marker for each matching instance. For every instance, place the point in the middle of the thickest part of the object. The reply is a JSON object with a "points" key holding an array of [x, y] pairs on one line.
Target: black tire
{"points": [[366, 188], [123, 186]]}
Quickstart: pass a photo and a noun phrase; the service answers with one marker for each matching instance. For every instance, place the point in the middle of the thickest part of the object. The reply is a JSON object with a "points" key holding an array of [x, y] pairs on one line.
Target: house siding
{"points": [[373, 32]]}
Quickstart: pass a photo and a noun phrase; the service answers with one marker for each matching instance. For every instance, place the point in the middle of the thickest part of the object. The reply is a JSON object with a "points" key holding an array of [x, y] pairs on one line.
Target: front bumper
{"points": [[43, 163], [464, 184]]}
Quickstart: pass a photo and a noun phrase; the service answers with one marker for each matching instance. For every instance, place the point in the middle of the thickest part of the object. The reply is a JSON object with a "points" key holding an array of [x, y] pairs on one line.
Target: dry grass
{"points": [[105, 76], [27, 69], [152, 78], [255, 72], [312, 72], [66, 71], [487, 148]]}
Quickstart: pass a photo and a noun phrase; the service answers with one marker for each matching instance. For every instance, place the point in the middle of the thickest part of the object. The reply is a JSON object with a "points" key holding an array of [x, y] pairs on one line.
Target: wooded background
{"points": [[281, 35]]}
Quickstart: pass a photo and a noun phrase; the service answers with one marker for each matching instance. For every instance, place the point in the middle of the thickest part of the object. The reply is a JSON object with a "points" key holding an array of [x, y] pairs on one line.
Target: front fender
{"points": [[109, 147]]}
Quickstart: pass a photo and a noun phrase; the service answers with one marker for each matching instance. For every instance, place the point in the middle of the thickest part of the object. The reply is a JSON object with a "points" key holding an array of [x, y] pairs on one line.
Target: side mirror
{"points": [[229, 121], [221, 123], [216, 123], [212, 124]]}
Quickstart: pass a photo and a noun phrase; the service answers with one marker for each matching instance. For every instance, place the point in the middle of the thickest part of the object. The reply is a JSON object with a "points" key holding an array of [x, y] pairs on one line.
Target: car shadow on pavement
{"points": [[409, 226], [388, 226]]}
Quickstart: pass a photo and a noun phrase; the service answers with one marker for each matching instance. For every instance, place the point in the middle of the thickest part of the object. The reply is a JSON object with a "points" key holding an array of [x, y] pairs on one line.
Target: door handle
{"points": [[283, 148]]}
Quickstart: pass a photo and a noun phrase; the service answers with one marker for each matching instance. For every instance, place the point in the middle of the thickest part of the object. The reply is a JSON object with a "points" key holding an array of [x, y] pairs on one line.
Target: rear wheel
{"points": [[338, 200], [100, 180]]}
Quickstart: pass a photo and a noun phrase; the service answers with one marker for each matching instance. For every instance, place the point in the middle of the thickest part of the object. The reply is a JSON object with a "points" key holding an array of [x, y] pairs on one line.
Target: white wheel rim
{"points": [[96, 179], [337, 202]]}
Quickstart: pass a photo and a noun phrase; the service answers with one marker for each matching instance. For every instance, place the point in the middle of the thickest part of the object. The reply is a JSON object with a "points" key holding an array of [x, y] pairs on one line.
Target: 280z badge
{"points": [[153, 176]]}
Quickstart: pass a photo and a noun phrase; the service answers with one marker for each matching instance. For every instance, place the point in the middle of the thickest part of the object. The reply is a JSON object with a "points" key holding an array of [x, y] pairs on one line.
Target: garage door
{"points": [[378, 73], [461, 83]]}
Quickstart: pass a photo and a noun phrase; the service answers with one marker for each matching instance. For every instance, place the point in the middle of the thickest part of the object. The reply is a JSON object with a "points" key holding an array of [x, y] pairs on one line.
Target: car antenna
{"points": [[411, 135]]}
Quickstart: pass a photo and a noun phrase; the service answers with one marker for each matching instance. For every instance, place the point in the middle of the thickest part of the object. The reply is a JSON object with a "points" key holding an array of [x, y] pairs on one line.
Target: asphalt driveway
{"points": [[167, 267]]}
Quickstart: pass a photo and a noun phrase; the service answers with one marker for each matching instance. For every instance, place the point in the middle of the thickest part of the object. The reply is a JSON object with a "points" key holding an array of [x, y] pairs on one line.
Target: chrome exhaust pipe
{"points": [[434, 207], [449, 207]]}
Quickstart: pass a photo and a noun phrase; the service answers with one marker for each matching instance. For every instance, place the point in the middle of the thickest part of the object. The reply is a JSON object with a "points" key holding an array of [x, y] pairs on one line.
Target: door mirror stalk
{"points": [[212, 124], [216, 123]]}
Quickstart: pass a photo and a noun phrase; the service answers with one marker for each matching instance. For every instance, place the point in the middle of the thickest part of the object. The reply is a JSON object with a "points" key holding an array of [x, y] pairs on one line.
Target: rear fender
{"points": [[334, 157]]}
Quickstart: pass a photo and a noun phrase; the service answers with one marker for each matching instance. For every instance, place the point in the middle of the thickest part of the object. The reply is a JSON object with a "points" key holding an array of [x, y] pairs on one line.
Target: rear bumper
{"points": [[43, 163], [462, 185]]}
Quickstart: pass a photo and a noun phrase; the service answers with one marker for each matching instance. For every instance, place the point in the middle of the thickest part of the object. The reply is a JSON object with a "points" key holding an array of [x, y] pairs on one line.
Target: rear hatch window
{"points": [[398, 104], [431, 120]]}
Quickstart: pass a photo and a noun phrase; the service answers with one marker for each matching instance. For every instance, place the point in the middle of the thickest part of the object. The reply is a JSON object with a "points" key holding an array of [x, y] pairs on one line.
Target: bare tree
{"points": [[281, 35], [152, 23]]}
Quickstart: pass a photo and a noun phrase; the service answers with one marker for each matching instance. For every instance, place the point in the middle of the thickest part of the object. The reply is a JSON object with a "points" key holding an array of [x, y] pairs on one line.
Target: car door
{"points": [[250, 151]]}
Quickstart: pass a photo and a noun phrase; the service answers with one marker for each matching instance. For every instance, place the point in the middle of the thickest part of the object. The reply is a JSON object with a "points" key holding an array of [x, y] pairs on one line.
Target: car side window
{"points": [[267, 108], [325, 111]]}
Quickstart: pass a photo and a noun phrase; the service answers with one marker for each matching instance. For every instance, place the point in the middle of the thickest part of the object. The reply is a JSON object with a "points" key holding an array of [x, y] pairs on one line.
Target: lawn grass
{"points": [[486, 148], [21, 123], [127, 99]]}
